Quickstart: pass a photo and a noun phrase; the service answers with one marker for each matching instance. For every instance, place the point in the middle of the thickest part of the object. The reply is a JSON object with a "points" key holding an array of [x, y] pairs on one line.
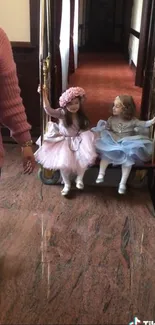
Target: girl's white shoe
{"points": [[122, 189], [80, 185], [66, 190], [100, 178]]}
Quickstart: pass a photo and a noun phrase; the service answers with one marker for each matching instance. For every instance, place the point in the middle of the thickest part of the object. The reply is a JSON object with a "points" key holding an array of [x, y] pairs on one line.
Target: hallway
{"points": [[104, 76], [86, 260]]}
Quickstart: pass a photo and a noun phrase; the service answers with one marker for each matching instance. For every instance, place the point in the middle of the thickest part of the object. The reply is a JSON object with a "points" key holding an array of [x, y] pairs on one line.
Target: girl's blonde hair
{"points": [[128, 107]]}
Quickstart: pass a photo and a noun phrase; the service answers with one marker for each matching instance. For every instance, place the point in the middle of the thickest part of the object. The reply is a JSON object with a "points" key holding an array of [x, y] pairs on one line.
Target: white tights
{"points": [[67, 181], [66, 178], [125, 171]]}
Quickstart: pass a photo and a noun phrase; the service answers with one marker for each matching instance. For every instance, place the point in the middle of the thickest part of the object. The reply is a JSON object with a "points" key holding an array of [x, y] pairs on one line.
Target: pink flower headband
{"points": [[70, 94]]}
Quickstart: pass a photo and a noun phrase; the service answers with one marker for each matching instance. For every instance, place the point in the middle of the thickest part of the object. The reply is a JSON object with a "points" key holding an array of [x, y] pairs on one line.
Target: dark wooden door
{"points": [[101, 23], [127, 10], [148, 100], [26, 56], [143, 42]]}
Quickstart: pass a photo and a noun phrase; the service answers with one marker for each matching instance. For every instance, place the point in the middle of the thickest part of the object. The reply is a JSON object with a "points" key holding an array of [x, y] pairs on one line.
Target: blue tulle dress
{"points": [[123, 142]]}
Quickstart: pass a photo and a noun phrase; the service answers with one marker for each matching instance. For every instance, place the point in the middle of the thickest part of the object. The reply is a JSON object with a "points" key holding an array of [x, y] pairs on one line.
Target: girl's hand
{"points": [[28, 160], [38, 90], [44, 90], [153, 121]]}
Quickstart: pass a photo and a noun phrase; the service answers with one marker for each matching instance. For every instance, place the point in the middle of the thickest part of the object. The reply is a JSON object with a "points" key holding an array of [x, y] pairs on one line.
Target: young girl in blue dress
{"points": [[118, 143]]}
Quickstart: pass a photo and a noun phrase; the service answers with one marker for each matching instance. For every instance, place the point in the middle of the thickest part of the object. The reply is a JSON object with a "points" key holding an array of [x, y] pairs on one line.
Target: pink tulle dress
{"points": [[67, 149]]}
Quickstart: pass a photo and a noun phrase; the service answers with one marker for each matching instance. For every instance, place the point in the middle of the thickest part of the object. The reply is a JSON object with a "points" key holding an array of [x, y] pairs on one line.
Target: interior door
{"points": [[101, 28], [148, 104], [128, 4], [143, 42]]}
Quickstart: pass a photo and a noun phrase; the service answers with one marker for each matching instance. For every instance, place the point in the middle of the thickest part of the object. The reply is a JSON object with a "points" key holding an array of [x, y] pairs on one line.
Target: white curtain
{"points": [[65, 42], [75, 33]]}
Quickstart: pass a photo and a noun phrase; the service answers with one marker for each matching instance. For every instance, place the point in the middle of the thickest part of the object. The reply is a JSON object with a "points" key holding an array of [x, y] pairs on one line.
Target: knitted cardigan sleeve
{"points": [[12, 111]]}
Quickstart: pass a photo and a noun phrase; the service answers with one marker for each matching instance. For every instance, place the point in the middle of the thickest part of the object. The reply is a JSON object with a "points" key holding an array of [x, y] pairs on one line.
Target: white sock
{"points": [[66, 180], [79, 180], [80, 176], [125, 174], [103, 166]]}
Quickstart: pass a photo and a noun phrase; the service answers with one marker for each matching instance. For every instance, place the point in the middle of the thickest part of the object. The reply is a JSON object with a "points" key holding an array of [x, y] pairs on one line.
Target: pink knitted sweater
{"points": [[12, 111]]}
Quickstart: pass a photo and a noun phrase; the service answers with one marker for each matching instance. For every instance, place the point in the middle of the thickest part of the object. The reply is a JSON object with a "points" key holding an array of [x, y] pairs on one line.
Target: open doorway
{"points": [[112, 46], [108, 53], [101, 33], [108, 23]]}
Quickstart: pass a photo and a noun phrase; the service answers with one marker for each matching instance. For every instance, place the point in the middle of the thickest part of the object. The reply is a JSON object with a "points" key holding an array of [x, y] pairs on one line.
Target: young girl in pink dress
{"points": [[67, 146]]}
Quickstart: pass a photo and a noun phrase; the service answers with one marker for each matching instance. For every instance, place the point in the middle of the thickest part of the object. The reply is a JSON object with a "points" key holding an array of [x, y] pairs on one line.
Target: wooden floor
{"points": [[87, 260]]}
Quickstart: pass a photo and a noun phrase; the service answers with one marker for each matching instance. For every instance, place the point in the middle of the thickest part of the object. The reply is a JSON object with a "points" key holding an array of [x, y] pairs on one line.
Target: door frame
{"points": [[143, 42], [149, 66]]}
